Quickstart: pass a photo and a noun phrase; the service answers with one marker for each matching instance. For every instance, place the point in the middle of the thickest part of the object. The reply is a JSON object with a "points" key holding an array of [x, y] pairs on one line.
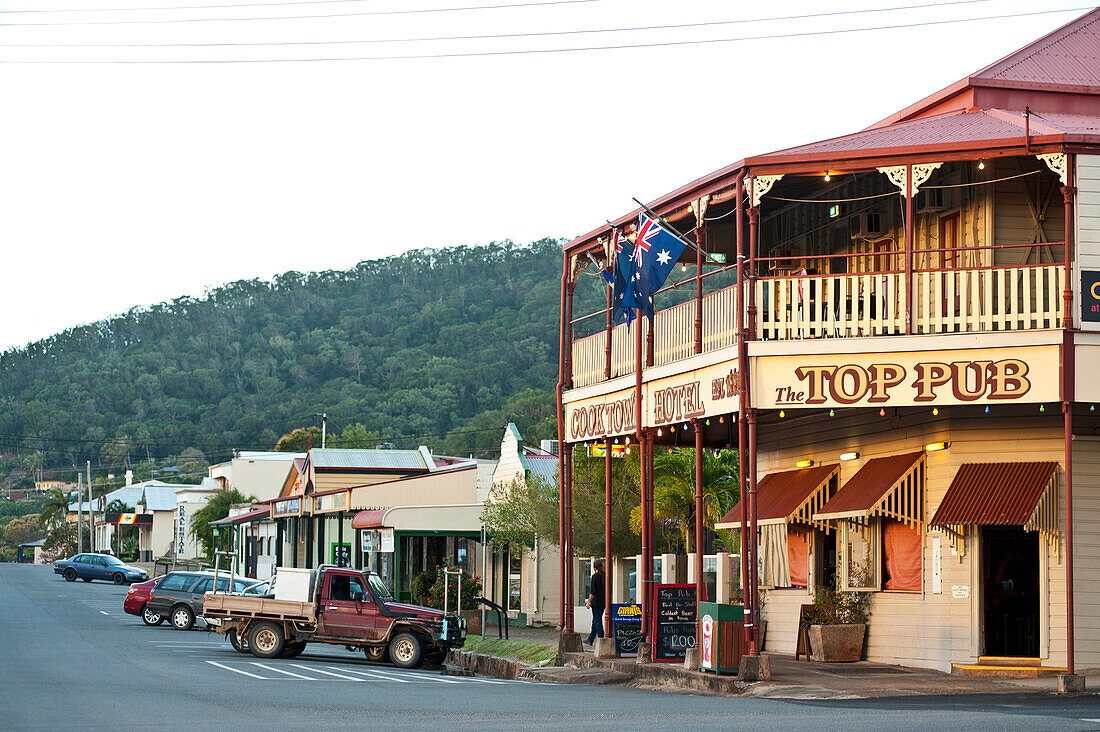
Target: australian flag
{"points": [[656, 251], [622, 289]]}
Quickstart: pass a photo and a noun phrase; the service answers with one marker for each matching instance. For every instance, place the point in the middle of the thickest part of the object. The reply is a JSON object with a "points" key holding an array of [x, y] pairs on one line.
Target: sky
{"points": [[128, 184]]}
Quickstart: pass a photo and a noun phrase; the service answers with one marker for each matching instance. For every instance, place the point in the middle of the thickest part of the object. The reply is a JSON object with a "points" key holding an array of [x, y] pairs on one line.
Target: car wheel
{"points": [[149, 616], [239, 645], [266, 640], [70, 575], [293, 650], [379, 654], [406, 650], [182, 617], [118, 578]]}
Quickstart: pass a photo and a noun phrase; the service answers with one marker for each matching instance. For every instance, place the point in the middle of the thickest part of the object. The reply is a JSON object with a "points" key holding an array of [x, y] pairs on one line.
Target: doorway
{"points": [[1010, 592]]}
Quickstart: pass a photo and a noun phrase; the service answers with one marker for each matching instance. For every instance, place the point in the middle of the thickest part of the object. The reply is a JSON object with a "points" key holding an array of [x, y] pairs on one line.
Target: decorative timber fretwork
{"points": [[761, 184], [1057, 163], [921, 173]]}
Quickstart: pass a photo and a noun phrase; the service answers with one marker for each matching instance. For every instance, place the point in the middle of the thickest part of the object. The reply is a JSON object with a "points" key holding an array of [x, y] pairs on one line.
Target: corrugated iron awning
{"points": [[369, 519], [246, 517], [886, 486], [1001, 494], [792, 495]]}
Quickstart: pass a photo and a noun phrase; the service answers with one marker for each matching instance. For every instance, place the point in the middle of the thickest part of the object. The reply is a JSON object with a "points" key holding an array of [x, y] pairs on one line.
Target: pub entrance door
{"points": [[1010, 591]]}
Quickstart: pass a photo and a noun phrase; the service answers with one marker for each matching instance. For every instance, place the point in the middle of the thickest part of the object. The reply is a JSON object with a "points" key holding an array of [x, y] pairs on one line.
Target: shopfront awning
{"points": [[789, 496], [1002, 494], [369, 519], [256, 514], [887, 486]]}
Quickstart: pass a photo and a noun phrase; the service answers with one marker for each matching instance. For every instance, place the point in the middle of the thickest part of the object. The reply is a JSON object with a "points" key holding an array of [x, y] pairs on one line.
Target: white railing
{"points": [[720, 319], [674, 333], [830, 306], [996, 299]]}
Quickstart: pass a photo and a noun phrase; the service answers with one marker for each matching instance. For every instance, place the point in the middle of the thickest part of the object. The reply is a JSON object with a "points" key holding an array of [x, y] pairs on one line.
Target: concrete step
{"points": [[1003, 671], [572, 675], [1009, 661], [579, 660]]}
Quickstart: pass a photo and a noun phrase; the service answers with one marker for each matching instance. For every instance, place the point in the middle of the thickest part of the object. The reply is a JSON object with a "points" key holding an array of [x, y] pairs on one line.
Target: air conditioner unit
{"points": [[866, 225], [549, 446], [932, 200]]}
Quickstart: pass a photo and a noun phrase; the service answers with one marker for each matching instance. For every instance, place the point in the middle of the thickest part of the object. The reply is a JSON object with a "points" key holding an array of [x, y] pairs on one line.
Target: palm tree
{"points": [[216, 508], [674, 490], [55, 508]]}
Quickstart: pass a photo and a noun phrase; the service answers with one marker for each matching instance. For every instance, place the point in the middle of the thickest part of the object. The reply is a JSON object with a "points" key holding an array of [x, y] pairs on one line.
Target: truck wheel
{"points": [[149, 616], [293, 650], [266, 640], [70, 575], [182, 617], [406, 650], [378, 654]]}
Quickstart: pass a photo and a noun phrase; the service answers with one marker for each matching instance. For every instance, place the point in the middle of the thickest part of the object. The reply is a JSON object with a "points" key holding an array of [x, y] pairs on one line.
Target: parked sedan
{"points": [[136, 601], [98, 566], [178, 595]]}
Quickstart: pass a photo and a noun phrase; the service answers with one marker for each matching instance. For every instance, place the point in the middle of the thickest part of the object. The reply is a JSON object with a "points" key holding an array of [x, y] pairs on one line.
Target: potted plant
{"points": [[838, 624]]}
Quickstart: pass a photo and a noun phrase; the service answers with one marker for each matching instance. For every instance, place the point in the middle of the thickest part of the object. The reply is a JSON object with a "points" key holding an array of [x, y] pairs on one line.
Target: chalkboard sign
{"points": [[626, 625], [673, 621]]}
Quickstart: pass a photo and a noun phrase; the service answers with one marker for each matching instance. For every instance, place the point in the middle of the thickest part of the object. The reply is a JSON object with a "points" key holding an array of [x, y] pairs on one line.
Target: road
{"points": [[73, 659]]}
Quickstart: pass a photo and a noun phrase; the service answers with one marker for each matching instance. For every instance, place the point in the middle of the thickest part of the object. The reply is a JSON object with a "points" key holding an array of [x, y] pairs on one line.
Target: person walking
{"points": [[595, 602]]}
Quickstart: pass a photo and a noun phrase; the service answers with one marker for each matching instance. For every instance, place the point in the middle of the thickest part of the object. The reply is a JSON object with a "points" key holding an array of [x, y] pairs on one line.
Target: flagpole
{"points": [[671, 229]]}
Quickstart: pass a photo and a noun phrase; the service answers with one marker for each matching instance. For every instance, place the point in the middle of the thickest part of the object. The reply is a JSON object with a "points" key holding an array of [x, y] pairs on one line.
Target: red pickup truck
{"points": [[346, 607]]}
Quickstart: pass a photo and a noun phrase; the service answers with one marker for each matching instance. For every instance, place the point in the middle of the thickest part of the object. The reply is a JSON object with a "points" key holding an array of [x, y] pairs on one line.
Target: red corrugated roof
{"points": [[998, 494], [867, 487], [241, 518], [368, 519], [778, 495]]}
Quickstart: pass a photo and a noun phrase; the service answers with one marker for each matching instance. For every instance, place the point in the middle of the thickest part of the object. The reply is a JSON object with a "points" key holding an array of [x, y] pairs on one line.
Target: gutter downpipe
{"points": [[561, 445], [1067, 367], [699, 585], [607, 536], [909, 249], [570, 286], [742, 388]]}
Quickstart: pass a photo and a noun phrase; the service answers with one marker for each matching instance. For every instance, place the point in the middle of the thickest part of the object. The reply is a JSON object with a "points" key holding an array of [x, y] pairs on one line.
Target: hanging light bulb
{"points": [[782, 414], [708, 421], [882, 412], [1092, 408], [670, 451], [981, 165], [616, 440], [721, 420], [684, 267], [627, 439], [659, 433], [987, 410], [828, 177], [685, 426], [935, 411], [1042, 407], [832, 413]]}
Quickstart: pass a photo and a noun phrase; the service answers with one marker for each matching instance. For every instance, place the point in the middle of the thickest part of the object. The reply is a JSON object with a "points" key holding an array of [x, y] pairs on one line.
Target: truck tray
{"points": [[241, 606]]}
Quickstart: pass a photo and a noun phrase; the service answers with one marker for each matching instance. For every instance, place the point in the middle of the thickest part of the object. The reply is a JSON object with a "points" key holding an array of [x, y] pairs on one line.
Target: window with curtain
{"points": [[859, 548], [901, 550], [798, 555]]}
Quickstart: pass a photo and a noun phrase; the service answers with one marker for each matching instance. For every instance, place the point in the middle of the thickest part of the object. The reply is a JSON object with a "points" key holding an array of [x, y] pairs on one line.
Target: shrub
{"points": [[835, 607], [422, 585], [471, 588]]}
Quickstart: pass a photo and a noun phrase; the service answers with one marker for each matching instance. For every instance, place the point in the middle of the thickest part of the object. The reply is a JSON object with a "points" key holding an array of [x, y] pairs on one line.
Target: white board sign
{"points": [[937, 567], [960, 591], [386, 545]]}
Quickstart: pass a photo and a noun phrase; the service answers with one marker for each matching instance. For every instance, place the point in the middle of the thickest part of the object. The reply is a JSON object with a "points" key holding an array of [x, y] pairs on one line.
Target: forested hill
{"points": [[414, 346]]}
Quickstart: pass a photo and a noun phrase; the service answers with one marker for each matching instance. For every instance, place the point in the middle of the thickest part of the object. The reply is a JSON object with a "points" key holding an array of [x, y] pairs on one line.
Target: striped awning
{"points": [[369, 519], [788, 496], [887, 486], [1002, 494]]}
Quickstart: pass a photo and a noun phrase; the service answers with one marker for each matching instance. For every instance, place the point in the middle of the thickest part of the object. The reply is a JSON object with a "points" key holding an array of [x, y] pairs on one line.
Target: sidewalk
{"points": [[792, 679]]}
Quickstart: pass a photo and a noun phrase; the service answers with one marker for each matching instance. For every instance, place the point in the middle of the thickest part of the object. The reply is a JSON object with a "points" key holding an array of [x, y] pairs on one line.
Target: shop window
{"points": [[859, 559], [798, 555], [902, 547], [515, 580], [710, 576]]}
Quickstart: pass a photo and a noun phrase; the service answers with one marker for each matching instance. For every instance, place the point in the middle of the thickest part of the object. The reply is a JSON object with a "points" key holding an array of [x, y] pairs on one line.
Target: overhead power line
{"points": [[358, 14], [188, 7], [502, 36], [534, 51]]}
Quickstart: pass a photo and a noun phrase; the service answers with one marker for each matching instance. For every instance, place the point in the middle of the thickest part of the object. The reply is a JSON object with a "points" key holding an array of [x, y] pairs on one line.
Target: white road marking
{"points": [[374, 675], [280, 671], [104, 613], [432, 678], [326, 673], [237, 670]]}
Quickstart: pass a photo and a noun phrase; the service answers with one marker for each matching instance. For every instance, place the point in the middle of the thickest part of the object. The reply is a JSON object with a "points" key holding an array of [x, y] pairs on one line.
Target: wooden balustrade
{"points": [[976, 300]]}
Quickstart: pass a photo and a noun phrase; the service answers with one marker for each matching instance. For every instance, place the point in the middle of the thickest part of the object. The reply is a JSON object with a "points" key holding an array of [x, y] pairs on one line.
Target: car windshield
{"points": [[379, 587], [113, 561]]}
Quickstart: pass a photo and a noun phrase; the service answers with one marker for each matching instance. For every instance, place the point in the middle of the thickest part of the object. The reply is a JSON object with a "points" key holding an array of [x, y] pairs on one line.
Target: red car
{"points": [[135, 601]]}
